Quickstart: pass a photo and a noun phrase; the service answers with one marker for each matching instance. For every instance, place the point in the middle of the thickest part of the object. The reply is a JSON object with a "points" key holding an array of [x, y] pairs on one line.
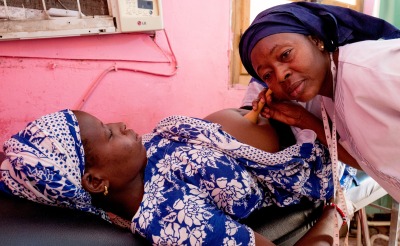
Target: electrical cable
{"points": [[96, 82]]}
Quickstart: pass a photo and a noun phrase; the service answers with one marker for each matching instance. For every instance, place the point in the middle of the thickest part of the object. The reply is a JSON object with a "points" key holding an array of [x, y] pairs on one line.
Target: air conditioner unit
{"points": [[124, 16]]}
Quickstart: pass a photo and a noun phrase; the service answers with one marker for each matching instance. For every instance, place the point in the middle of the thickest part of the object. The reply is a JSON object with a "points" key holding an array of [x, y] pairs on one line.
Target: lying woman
{"points": [[188, 182]]}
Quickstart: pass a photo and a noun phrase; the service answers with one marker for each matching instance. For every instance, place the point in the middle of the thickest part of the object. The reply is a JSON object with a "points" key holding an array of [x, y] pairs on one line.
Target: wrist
{"points": [[339, 211]]}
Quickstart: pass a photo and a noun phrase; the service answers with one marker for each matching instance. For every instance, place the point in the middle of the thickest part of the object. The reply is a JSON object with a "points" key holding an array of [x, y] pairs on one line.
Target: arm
{"points": [[319, 235], [322, 232], [295, 115], [261, 240]]}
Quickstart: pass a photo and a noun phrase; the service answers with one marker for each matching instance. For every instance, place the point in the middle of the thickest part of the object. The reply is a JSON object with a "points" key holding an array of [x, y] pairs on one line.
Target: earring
{"points": [[105, 191], [322, 47]]}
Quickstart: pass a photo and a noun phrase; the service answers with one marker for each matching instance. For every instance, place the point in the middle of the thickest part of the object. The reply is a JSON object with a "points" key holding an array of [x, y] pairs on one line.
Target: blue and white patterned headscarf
{"points": [[45, 162]]}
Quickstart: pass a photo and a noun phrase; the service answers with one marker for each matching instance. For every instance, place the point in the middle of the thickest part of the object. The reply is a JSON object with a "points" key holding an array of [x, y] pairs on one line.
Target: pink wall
{"points": [[46, 75]]}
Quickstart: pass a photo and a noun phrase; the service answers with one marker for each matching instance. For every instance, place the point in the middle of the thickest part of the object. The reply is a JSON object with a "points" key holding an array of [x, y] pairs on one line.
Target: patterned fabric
{"points": [[45, 162], [335, 26], [199, 180]]}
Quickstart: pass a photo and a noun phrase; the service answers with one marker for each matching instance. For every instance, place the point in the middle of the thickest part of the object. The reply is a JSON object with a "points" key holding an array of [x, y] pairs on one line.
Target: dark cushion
{"points": [[285, 226], [27, 223]]}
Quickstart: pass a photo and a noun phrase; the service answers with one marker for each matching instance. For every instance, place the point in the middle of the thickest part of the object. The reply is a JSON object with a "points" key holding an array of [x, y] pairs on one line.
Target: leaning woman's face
{"points": [[118, 152], [293, 65]]}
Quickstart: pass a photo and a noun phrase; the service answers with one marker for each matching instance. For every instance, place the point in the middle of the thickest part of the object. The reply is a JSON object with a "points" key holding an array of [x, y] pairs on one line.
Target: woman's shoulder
{"points": [[369, 51]]}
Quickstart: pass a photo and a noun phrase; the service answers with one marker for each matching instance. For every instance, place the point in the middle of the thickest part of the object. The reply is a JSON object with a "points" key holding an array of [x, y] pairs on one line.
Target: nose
{"points": [[119, 126], [282, 74], [122, 126]]}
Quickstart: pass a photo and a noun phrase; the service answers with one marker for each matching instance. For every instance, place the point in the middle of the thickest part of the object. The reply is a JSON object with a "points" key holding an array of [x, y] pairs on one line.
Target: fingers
{"points": [[262, 94], [268, 97], [254, 104], [266, 112], [260, 104], [263, 91]]}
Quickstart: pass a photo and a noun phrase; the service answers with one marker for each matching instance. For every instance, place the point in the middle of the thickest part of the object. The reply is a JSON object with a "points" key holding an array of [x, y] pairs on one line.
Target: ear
{"points": [[93, 183], [317, 42]]}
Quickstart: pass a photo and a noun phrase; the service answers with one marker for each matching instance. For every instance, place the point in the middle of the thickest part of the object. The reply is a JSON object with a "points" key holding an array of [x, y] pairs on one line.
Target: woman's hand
{"points": [[261, 97], [286, 112]]}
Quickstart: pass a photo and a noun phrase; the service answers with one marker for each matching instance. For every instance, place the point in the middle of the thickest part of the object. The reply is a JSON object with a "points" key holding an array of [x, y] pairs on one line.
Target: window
{"points": [[243, 13]]}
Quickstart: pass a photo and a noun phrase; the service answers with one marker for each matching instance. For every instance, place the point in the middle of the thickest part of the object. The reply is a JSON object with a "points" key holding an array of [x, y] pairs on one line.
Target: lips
{"points": [[132, 133], [296, 89], [137, 136]]}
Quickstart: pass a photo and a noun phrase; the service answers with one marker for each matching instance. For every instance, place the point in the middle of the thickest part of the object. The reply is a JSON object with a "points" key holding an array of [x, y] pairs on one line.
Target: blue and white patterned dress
{"points": [[199, 180]]}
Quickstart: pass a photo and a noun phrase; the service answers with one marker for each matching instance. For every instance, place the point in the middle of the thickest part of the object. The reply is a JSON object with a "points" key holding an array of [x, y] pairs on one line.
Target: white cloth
{"points": [[252, 91], [313, 106], [367, 105]]}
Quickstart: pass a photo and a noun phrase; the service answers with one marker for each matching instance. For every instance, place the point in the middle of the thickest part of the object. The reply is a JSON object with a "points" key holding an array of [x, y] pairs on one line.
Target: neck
{"points": [[327, 87], [126, 203]]}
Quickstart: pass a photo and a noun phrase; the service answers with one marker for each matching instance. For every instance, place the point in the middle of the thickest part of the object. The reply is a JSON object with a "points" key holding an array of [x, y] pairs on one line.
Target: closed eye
{"points": [[111, 134]]}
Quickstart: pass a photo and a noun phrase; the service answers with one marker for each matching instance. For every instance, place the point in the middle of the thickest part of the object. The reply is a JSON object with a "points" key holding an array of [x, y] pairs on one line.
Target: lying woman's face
{"points": [[117, 152], [293, 65]]}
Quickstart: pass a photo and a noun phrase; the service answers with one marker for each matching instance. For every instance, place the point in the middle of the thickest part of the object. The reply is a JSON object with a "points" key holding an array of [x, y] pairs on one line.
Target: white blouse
{"points": [[367, 105]]}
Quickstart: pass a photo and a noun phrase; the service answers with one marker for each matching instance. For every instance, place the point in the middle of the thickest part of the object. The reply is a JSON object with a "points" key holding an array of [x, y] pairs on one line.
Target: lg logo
{"points": [[141, 23]]}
